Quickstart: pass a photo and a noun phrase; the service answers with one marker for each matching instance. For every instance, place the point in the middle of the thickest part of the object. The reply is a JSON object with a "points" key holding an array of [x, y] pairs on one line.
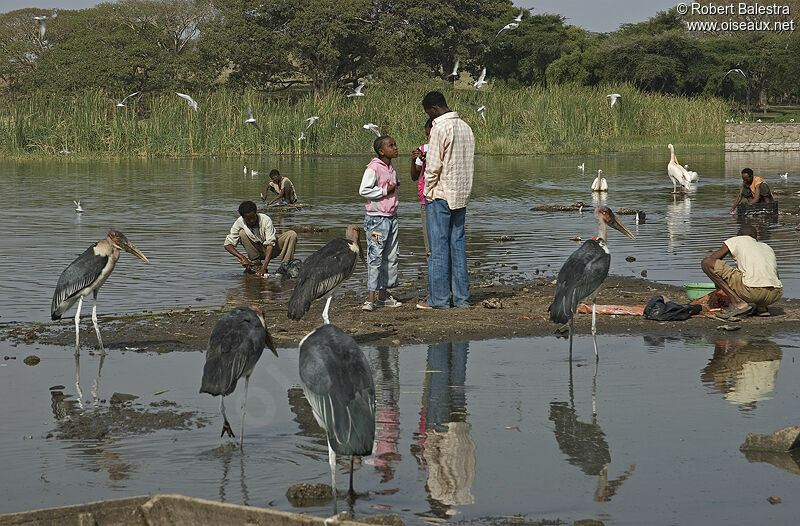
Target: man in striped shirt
{"points": [[448, 182]]}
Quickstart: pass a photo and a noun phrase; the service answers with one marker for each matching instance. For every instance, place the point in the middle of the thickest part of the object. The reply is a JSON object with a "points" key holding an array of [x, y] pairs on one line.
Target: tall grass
{"points": [[561, 119]]}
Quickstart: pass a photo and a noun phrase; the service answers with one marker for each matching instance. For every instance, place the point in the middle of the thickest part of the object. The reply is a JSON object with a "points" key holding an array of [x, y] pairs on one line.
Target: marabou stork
{"points": [[337, 381], [323, 271], [583, 273], [87, 274], [676, 172], [234, 348]]}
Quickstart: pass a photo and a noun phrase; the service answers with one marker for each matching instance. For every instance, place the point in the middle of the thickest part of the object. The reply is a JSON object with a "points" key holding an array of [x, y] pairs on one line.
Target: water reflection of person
{"points": [[385, 363], [585, 443], [445, 445], [743, 371]]}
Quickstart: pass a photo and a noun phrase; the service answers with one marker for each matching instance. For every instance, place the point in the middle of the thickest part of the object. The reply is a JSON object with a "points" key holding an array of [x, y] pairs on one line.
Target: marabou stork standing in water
{"points": [[583, 273], [338, 384], [87, 274], [323, 271], [234, 348]]}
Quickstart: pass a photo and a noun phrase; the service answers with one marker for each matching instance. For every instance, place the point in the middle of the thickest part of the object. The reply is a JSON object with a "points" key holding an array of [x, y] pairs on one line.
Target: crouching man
{"points": [[257, 235]]}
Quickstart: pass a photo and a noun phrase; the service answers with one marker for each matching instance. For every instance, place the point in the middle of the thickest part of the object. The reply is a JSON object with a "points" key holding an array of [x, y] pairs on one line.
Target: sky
{"points": [[594, 15]]}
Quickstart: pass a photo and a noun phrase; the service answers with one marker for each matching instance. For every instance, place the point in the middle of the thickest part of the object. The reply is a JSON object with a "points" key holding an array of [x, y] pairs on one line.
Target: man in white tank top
{"points": [[754, 282]]}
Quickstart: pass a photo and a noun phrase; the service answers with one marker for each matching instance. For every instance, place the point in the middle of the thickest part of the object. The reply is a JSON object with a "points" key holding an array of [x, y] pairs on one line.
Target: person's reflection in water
{"points": [[385, 363], [444, 444], [585, 443], [743, 371]]}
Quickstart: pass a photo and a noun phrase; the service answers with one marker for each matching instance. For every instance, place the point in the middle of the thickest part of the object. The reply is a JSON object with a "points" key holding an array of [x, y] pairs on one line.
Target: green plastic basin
{"points": [[698, 290]]}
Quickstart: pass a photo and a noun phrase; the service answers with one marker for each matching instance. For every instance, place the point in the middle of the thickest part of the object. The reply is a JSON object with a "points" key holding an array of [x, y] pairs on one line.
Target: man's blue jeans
{"points": [[447, 264]]}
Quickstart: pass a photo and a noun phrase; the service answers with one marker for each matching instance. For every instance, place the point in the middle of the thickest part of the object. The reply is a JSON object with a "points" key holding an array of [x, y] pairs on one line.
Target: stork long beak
{"points": [[127, 246], [616, 224]]}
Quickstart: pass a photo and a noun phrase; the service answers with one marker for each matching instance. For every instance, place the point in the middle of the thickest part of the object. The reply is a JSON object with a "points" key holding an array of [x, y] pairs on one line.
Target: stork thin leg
{"points": [[325, 310], [77, 326], [332, 462], [226, 427], [78, 380], [244, 404], [594, 330], [570, 340], [350, 493], [97, 327]]}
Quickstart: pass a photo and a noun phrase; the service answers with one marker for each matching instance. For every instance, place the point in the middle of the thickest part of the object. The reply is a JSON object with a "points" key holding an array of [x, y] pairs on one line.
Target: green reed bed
{"points": [[560, 119]]}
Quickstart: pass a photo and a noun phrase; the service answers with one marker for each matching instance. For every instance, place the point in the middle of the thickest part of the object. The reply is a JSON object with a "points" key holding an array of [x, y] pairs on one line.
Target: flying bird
{"points": [[482, 111], [302, 136], [323, 271], [250, 119], [677, 173], [189, 100], [583, 273], [599, 184], [338, 384], [78, 208], [518, 18], [311, 120], [121, 103], [735, 70], [481, 80], [86, 274], [507, 27], [613, 98], [357, 91], [42, 19], [454, 74], [235, 345], [373, 128]]}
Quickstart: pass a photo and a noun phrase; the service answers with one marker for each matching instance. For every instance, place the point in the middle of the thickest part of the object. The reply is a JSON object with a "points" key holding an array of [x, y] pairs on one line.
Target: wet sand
{"points": [[497, 311]]}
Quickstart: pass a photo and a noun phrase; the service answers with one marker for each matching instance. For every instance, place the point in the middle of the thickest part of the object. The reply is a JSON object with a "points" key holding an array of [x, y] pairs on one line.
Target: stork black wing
{"points": [[337, 381], [579, 278], [235, 345], [321, 272], [77, 276]]}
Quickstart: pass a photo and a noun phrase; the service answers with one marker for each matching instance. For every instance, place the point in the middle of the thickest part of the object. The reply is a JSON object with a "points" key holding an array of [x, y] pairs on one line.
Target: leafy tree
{"points": [[20, 43]]}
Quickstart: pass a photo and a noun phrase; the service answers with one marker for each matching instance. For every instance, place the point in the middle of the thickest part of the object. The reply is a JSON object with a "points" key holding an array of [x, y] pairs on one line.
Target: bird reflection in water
{"points": [[95, 383], [679, 215], [226, 453], [444, 443], [743, 371], [585, 443], [385, 363]]}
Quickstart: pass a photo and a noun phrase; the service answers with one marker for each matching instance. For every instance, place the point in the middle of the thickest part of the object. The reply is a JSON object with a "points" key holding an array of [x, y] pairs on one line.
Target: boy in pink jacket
{"points": [[379, 187]]}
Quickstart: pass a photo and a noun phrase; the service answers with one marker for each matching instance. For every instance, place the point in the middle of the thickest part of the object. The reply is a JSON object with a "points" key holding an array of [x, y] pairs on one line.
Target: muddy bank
{"points": [[497, 311]]}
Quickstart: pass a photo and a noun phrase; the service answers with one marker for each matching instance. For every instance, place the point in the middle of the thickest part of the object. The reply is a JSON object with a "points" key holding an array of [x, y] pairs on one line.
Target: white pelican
{"points": [[599, 184], [692, 175], [676, 172], [481, 80]]}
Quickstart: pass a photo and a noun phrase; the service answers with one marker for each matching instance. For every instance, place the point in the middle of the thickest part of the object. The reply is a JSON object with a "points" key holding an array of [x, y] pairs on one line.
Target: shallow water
{"points": [[179, 211], [466, 431]]}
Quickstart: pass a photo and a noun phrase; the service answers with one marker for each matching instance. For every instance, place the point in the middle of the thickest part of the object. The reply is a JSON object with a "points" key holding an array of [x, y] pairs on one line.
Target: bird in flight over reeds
{"points": [[302, 136], [357, 91], [373, 128], [121, 103], [481, 80], [311, 120], [189, 100], [455, 69], [482, 111], [250, 119], [613, 98], [42, 19]]}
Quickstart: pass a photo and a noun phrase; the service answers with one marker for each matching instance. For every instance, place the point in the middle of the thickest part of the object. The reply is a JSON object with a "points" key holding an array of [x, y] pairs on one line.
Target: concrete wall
{"points": [[762, 137]]}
